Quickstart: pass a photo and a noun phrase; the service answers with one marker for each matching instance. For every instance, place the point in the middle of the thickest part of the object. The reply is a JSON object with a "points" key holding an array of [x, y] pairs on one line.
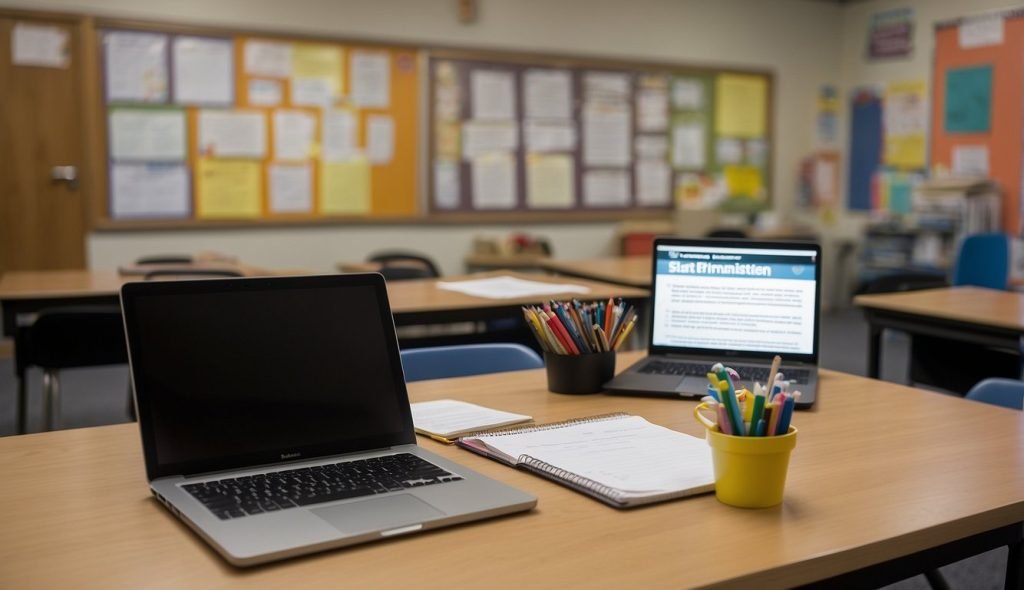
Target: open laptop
{"points": [[275, 419], [738, 302]]}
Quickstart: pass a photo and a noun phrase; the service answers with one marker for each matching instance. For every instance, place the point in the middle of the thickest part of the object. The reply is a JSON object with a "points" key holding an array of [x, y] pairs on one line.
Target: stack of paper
{"points": [[447, 419]]}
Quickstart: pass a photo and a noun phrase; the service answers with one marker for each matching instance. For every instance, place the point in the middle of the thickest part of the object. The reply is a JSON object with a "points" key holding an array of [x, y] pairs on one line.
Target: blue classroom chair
{"points": [[983, 260], [467, 359], [1008, 393]]}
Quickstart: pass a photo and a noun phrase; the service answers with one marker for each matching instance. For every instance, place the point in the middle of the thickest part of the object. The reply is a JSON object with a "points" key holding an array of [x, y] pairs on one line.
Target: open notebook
{"points": [[622, 460]]}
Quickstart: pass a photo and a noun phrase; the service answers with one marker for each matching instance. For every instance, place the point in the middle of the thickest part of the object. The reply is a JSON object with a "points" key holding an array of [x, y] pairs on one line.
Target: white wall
{"points": [[797, 39]]}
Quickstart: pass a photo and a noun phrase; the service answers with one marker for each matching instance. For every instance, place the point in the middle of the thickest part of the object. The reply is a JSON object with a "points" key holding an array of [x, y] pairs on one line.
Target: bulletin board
{"points": [[524, 135], [977, 117], [206, 126]]}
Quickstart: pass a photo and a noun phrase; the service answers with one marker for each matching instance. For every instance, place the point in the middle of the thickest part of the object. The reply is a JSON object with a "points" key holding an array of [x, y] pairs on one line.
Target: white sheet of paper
{"points": [[825, 180], [312, 92], [757, 152], [482, 138], [688, 146], [729, 150], [447, 184], [505, 287], [268, 58], [652, 110], [493, 94], [548, 94], [653, 183], [550, 181], [371, 79], [204, 71], [606, 188], [147, 134], [970, 160], [687, 94], [380, 139], [448, 418], [982, 31], [550, 136], [606, 86], [291, 188], [233, 134], [294, 134], [136, 66], [607, 134], [338, 136], [494, 182], [265, 93], [149, 190], [651, 146], [39, 45], [447, 102]]}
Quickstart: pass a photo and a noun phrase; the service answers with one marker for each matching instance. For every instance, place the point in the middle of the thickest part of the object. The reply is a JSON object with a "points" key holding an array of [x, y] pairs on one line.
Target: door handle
{"points": [[68, 174]]}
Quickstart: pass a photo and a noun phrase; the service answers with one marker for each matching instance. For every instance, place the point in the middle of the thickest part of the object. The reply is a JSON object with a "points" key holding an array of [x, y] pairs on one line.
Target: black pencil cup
{"points": [[579, 373]]}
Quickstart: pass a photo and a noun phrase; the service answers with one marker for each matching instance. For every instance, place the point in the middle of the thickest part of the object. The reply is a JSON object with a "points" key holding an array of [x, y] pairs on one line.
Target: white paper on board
{"points": [[651, 146], [147, 134], [606, 87], [380, 139], [204, 71], [652, 110], [970, 160], [338, 136], [149, 190], [494, 182], [550, 136], [606, 188], [653, 183], [485, 137], [493, 95], [688, 146], [548, 94], [232, 134], [607, 134], [687, 94], [982, 31], [729, 150], [39, 45], [265, 93], [371, 79], [291, 188], [312, 92], [446, 184], [268, 58], [294, 134], [136, 66], [550, 181]]}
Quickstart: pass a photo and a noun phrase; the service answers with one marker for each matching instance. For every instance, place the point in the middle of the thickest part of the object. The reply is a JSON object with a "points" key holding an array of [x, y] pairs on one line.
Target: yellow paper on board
{"points": [[311, 60], [744, 181], [905, 124], [228, 189], [550, 181], [345, 187], [741, 104]]}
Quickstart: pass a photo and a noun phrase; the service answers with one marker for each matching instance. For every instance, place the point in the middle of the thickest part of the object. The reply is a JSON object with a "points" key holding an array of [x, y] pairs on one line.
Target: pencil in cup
{"points": [[574, 328]]}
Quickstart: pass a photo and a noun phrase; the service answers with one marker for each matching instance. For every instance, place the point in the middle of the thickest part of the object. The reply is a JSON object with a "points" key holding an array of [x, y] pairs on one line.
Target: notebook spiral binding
{"points": [[553, 425], [576, 481]]}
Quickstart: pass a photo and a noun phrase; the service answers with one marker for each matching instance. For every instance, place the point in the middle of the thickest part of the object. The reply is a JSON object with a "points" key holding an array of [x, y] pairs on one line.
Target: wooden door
{"points": [[42, 220]]}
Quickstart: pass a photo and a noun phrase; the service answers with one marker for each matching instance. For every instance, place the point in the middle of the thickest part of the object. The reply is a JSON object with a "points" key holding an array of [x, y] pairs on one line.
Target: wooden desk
{"points": [[478, 262], [631, 271], [970, 314], [880, 472]]}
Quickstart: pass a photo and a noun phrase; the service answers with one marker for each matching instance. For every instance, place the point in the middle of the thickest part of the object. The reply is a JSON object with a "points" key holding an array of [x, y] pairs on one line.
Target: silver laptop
{"points": [[738, 302], [275, 419]]}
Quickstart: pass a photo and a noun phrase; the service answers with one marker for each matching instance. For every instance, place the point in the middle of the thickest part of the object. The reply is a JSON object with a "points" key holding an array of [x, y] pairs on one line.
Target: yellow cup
{"points": [[750, 471]]}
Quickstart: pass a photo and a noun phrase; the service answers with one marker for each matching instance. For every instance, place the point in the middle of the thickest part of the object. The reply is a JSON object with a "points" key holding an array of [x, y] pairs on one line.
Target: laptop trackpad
{"points": [[692, 386], [377, 513]]}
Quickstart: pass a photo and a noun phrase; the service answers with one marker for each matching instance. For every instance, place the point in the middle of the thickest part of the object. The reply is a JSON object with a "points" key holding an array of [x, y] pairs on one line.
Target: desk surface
{"points": [[1003, 309], [879, 471], [634, 271]]}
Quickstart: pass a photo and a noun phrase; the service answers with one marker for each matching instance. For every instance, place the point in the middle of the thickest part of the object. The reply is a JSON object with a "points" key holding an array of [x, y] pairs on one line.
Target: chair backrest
{"points": [[403, 259], [401, 273], [178, 274], [725, 232], [74, 336], [1008, 393], [467, 359], [983, 261], [165, 259]]}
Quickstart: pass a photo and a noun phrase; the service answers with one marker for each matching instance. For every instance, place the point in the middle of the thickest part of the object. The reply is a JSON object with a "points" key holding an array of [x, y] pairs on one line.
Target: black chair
{"points": [[397, 265], [725, 232], [165, 259], [66, 338], [175, 274]]}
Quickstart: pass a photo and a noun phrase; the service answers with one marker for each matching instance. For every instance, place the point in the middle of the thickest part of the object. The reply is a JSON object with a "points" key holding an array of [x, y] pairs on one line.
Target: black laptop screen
{"points": [[251, 371]]}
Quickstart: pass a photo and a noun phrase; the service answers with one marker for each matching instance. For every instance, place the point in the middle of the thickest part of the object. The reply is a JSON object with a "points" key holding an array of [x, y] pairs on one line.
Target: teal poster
{"points": [[968, 100]]}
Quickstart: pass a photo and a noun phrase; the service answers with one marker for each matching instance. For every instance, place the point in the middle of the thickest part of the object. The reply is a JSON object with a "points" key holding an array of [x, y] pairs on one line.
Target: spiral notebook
{"points": [[619, 459]]}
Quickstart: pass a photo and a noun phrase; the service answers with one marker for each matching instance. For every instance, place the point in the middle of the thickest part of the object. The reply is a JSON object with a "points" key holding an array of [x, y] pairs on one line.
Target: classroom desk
{"points": [[631, 271], [968, 314], [880, 473]]}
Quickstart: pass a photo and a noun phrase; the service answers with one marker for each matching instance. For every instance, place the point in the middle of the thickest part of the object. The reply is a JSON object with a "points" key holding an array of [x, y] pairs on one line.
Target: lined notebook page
{"points": [[629, 454], [447, 418]]}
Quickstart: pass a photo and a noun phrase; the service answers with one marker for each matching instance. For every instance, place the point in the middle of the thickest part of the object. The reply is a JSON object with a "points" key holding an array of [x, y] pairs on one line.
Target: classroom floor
{"points": [[93, 397]]}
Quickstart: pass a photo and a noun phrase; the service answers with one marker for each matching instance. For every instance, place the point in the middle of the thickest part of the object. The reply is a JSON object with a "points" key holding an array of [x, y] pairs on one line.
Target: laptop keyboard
{"points": [[749, 374], [279, 490]]}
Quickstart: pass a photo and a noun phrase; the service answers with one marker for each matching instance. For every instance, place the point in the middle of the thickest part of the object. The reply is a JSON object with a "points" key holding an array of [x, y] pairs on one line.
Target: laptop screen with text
{"points": [[736, 299]]}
